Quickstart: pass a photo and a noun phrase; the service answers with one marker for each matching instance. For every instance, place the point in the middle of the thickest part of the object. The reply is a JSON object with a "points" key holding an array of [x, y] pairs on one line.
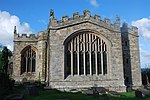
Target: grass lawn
{"points": [[57, 95]]}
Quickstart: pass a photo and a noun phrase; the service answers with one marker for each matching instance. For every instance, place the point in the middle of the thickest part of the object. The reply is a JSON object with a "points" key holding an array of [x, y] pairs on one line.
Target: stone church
{"points": [[79, 52]]}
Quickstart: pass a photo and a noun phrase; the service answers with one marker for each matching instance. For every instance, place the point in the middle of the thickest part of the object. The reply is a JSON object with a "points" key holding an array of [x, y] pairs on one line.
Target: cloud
{"points": [[7, 23], [145, 53], [94, 3], [143, 26], [145, 57]]}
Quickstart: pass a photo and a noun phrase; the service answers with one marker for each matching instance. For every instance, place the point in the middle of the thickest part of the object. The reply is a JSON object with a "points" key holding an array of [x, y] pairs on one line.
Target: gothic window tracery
{"points": [[87, 55], [28, 60]]}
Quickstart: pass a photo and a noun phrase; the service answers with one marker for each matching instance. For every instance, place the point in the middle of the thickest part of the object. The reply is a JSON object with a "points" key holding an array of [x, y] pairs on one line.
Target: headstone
{"points": [[114, 93], [33, 90], [101, 90], [24, 80], [88, 92], [106, 97], [14, 97], [145, 92], [138, 94]]}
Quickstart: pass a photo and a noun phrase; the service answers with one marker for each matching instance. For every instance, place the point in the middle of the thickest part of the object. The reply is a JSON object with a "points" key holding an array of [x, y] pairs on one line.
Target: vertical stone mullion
{"points": [[107, 63], [90, 54], [104, 47], [98, 45], [105, 59], [26, 64], [78, 45], [102, 56], [71, 57], [31, 61], [87, 42], [96, 57], [84, 35]]}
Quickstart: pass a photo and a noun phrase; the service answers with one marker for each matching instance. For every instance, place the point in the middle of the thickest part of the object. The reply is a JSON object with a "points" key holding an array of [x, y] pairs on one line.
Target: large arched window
{"points": [[28, 60], [86, 54]]}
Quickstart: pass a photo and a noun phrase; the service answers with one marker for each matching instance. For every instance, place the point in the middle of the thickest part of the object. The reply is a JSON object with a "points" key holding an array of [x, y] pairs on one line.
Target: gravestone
{"points": [[105, 97], [24, 80], [33, 90], [101, 90], [138, 94]]}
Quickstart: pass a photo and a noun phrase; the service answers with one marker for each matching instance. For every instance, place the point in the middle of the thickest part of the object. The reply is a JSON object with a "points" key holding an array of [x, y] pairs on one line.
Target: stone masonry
{"points": [[123, 64]]}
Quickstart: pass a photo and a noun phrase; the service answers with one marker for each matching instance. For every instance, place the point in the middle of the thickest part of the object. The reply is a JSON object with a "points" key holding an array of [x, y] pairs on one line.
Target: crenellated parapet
{"points": [[25, 37], [131, 30], [86, 17], [42, 35]]}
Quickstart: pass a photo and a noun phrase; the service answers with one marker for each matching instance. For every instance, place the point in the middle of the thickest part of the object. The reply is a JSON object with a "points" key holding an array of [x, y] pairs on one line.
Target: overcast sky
{"points": [[31, 16]]}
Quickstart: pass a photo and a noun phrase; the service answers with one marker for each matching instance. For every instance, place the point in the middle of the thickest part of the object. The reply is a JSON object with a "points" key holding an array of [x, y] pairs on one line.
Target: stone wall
{"points": [[42, 52], [38, 44], [50, 50], [135, 59], [131, 55], [60, 31]]}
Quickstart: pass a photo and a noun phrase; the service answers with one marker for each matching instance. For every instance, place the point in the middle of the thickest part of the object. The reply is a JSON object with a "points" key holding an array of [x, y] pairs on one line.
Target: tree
{"points": [[145, 76], [6, 83], [0, 62], [4, 59]]}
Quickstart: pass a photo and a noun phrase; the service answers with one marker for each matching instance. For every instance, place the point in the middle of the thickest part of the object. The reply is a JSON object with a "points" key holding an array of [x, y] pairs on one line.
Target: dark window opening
{"points": [[81, 63], [99, 63], [74, 63], [68, 63], [87, 63], [105, 62], [93, 63], [28, 60]]}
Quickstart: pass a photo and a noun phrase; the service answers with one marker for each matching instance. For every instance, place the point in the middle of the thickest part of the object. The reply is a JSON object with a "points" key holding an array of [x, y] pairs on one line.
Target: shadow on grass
{"points": [[57, 95]]}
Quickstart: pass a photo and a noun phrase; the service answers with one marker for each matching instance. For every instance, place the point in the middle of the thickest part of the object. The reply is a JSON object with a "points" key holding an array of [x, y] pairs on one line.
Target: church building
{"points": [[78, 53]]}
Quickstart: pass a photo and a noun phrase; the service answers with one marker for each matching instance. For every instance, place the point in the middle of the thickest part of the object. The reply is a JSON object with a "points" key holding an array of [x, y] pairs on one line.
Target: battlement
{"points": [[86, 17], [25, 37]]}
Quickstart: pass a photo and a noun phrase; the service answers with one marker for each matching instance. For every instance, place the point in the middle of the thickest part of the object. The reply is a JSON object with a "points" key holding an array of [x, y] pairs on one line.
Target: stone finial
{"points": [[51, 14], [107, 21], [125, 25], [97, 17], [15, 30], [64, 18], [117, 19], [15, 33], [86, 13], [75, 15]]}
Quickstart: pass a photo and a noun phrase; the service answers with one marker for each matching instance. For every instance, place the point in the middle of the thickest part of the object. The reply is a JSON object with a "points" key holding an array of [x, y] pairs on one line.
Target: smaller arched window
{"points": [[28, 60]]}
